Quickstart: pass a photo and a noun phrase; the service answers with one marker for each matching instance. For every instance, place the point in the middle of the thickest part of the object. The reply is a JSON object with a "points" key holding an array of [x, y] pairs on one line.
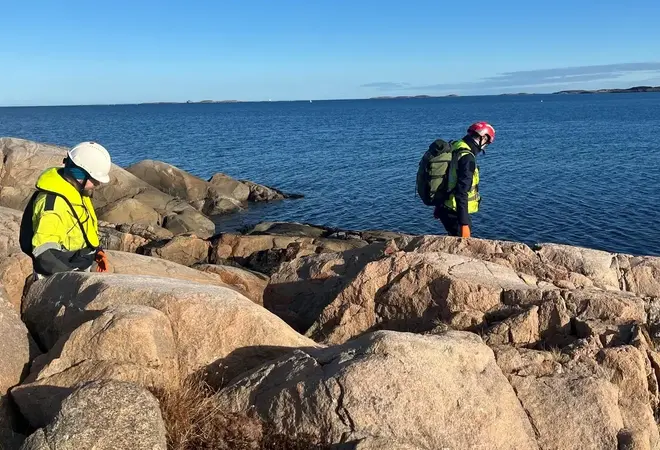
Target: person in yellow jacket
{"points": [[463, 197], [59, 227]]}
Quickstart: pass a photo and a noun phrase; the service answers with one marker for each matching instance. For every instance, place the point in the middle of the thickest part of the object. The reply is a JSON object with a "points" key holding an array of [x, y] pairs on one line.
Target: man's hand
{"points": [[465, 231], [102, 264]]}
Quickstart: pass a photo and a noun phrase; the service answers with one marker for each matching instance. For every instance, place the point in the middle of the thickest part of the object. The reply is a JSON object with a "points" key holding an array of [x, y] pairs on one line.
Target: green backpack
{"points": [[432, 172]]}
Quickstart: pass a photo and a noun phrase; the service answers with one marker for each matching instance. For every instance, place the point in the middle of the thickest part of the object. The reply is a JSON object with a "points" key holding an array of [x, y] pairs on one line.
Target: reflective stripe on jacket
{"points": [[462, 150]]}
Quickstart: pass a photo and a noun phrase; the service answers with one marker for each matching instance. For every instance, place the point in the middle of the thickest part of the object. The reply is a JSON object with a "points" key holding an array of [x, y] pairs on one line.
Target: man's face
{"points": [[484, 141], [91, 184]]}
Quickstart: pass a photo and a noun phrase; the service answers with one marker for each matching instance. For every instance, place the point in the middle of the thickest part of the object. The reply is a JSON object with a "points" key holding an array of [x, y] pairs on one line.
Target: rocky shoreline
{"points": [[299, 336]]}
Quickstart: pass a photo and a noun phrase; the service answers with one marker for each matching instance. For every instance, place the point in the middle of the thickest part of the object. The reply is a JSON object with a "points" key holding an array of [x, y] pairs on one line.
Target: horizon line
{"points": [[382, 97]]}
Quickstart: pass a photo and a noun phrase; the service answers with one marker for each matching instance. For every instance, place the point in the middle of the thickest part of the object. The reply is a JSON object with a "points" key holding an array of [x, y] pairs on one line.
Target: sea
{"points": [[573, 169]]}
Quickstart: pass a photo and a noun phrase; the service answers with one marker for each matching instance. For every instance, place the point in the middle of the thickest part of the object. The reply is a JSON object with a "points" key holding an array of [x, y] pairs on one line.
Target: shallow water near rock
{"points": [[580, 170]]}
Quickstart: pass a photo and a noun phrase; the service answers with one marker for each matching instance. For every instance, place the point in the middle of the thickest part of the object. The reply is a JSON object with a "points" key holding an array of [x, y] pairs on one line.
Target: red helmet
{"points": [[482, 129]]}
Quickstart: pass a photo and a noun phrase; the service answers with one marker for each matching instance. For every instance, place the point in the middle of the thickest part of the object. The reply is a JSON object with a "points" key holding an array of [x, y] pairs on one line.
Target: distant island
{"points": [[613, 91], [190, 102], [404, 97]]}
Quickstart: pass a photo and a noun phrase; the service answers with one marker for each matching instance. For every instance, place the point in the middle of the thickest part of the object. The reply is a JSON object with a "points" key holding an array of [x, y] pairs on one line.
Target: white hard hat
{"points": [[93, 158]]}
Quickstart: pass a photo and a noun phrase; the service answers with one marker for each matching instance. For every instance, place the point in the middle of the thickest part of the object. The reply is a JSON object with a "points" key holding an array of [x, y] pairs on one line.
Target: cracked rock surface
{"points": [[410, 291], [427, 391], [146, 330], [104, 415]]}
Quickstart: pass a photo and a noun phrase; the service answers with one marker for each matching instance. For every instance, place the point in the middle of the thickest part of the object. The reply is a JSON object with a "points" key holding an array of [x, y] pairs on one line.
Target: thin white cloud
{"points": [[541, 77], [386, 85]]}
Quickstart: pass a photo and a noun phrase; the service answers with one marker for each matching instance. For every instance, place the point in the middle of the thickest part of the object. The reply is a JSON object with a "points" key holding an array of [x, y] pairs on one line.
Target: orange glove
{"points": [[102, 264], [465, 231]]}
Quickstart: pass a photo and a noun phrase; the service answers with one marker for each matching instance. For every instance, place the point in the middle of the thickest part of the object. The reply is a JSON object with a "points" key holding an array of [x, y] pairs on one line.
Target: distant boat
{"points": [[310, 101]]}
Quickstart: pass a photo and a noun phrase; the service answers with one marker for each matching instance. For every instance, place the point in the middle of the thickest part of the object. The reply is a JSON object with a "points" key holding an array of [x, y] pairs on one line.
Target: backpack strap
{"points": [[50, 201], [26, 231]]}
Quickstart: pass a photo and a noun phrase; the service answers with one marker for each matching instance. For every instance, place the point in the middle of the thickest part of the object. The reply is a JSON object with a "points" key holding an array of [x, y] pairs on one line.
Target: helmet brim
{"points": [[103, 179]]}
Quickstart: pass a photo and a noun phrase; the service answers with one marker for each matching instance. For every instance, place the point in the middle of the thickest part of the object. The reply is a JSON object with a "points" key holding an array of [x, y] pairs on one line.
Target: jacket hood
{"points": [[51, 180]]}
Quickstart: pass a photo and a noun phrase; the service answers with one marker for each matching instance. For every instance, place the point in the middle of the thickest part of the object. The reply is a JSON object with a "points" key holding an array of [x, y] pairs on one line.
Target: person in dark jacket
{"points": [[463, 197]]}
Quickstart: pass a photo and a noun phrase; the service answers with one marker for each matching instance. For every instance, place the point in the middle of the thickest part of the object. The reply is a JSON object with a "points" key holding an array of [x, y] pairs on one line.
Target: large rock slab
{"points": [[599, 266], [17, 349], [610, 316], [130, 343], [184, 250], [521, 329], [218, 204], [15, 272], [618, 308], [225, 195], [220, 195], [224, 185], [218, 331], [586, 398], [514, 255], [171, 180], [189, 221], [131, 264], [251, 284], [129, 211], [428, 391], [571, 412], [643, 276], [261, 193], [560, 317], [23, 163], [413, 291], [300, 289], [15, 266], [566, 266], [242, 281], [104, 415], [626, 368], [10, 225]]}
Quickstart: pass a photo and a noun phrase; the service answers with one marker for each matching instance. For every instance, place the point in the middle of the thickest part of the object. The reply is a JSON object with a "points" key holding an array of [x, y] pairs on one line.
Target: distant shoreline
{"points": [[634, 89], [190, 102], [631, 90], [406, 97]]}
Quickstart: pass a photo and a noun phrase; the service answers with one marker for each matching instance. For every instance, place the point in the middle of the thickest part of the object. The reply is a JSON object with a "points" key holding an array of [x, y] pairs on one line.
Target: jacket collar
{"points": [[473, 146], [52, 180]]}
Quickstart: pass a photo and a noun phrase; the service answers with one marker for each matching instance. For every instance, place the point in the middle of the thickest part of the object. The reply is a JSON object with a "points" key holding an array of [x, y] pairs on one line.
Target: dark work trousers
{"points": [[449, 220]]}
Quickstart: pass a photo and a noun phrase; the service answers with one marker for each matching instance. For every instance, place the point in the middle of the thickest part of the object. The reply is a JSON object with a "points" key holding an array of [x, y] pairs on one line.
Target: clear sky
{"points": [[82, 52]]}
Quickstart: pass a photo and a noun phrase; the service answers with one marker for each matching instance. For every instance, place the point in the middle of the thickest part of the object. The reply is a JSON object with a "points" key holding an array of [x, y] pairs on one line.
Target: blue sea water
{"points": [[576, 169]]}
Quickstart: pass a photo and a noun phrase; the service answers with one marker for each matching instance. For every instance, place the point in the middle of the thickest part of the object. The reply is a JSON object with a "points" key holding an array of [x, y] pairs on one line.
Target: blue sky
{"points": [[82, 52]]}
